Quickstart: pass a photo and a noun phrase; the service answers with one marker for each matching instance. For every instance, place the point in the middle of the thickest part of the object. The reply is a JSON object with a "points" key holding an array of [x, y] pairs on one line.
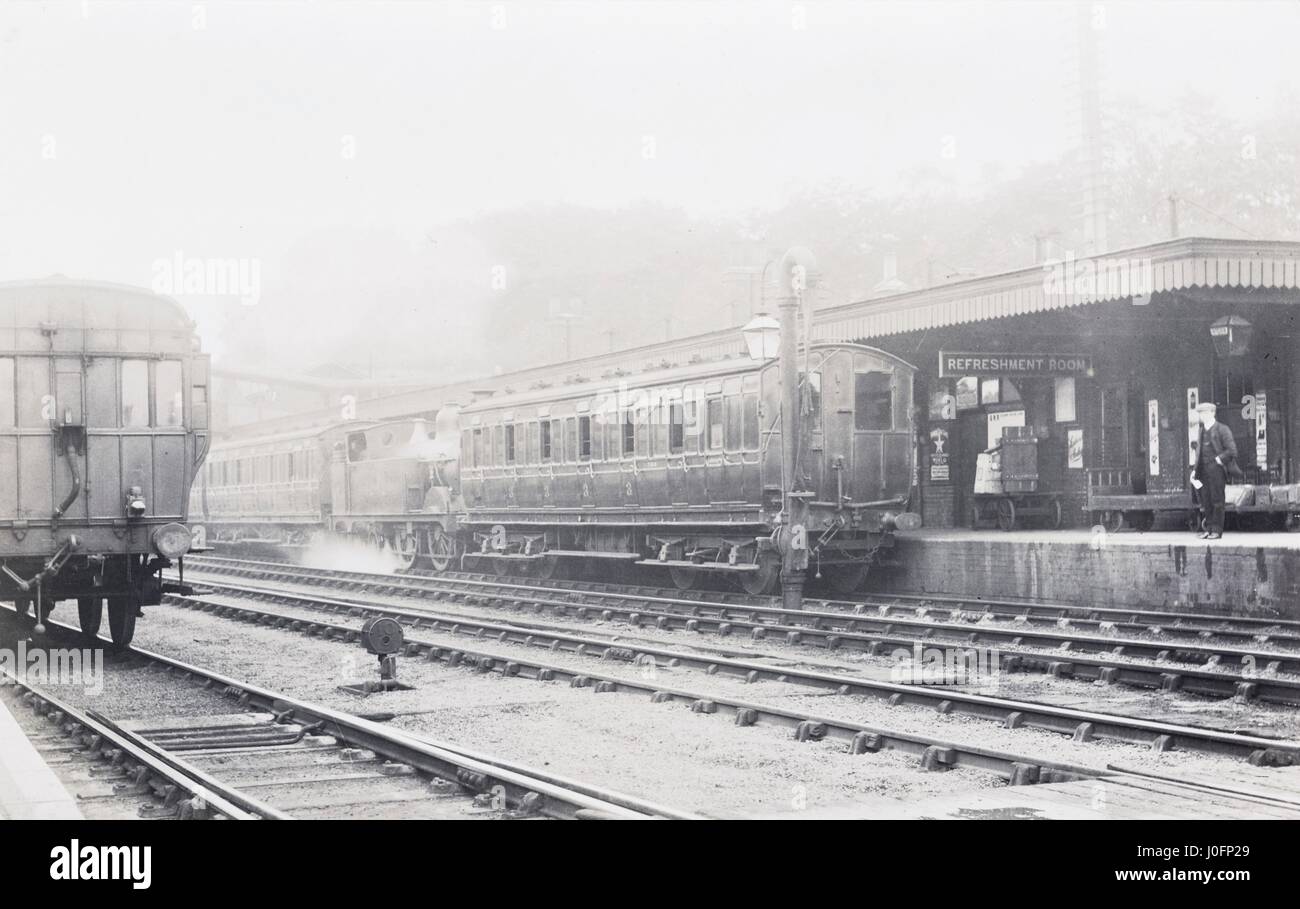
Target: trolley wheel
{"points": [[847, 579], [90, 612], [121, 620], [1006, 514], [1113, 521], [1054, 514], [1144, 521], [763, 581], [442, 549], [684, 578]]}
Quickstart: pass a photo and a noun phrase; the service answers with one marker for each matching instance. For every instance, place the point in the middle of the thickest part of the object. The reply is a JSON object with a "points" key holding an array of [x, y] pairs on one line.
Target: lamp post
{"points": [[765, 337]]}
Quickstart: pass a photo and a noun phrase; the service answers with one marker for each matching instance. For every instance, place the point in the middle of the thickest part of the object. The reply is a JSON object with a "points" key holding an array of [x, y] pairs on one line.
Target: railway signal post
{"points": [[792, 538]]}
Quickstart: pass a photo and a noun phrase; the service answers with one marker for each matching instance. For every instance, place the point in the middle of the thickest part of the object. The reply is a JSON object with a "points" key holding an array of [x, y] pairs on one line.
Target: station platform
{"points": [[29, 790], [1244, 573]]}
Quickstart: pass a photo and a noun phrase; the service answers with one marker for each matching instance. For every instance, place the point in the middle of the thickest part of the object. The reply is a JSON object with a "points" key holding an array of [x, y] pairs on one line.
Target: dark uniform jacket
{"points": [[1217, 442]]}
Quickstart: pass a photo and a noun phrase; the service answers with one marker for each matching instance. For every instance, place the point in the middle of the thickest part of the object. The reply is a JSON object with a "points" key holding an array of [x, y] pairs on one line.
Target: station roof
{"points": [[1173, 265]]}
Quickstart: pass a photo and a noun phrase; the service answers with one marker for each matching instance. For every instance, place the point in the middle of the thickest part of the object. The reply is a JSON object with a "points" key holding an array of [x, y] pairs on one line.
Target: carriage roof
{"points": [[67, 315]]}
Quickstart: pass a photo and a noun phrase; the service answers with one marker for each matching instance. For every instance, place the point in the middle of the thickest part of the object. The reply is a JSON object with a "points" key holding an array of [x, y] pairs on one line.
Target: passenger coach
{"points": [[681, 469], [103, 425]]}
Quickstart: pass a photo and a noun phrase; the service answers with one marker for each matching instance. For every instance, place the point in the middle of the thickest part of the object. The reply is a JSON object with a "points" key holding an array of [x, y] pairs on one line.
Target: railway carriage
{"points": [[681, 469], [103, 425], [388, 484]]}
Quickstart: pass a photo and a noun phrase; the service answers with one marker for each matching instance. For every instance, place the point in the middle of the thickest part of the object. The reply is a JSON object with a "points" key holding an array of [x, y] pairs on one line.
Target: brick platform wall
{"points": [[1237, 580]]}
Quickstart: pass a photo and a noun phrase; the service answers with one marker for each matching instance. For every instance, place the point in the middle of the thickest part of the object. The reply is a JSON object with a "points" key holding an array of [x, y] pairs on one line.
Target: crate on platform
{"points": [[988, 473], [1239, 495], [1020, 459]]}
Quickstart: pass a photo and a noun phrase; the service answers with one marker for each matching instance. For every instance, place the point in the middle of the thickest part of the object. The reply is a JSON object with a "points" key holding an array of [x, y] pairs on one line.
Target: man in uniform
{"points": [[1217, 459]]}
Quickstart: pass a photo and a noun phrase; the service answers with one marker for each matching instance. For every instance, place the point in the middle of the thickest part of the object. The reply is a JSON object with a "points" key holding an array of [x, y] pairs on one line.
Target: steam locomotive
{"points": [[677, 470], [103, 426]]}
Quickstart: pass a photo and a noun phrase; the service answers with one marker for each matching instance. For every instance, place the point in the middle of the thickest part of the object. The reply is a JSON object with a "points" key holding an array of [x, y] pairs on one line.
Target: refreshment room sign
{"points": [[1014, 364]]}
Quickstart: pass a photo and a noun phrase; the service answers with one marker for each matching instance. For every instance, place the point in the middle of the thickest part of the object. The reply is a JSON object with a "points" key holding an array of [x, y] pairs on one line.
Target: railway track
{"points": [[118, 774], [1080, 725], [288, 758], [1201, 669], [1166, 625]]}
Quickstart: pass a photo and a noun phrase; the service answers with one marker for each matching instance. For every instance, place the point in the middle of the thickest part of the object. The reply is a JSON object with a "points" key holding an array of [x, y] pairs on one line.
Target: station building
{"points": [[1105, 359]]}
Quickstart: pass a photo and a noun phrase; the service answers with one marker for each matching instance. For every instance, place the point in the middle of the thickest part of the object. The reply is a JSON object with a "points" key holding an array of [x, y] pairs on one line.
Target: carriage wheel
{"points": [[547, 568], [1006, 514], [1113, 521], [763, 581], [442, 550], [847, 579], [1144, 521], [407, 549], [121, 620], [684, 578], [90, 612]]}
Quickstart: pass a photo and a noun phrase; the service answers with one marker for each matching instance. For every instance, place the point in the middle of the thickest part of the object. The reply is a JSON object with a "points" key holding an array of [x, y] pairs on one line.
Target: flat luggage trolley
{"points": [[1115, 503], [1009, 509], [1006, 485]]}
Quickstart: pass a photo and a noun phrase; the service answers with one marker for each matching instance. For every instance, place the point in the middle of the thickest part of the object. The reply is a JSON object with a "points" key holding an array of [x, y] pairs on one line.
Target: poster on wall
{"points": [[999, 421], [1153, 438], [1193, 425], [1075, 442], [968, 393], [939, 471], [1261, 431]]}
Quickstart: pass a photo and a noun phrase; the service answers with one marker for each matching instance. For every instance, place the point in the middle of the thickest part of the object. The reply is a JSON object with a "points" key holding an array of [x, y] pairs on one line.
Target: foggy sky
{"points": [[131, 131]]}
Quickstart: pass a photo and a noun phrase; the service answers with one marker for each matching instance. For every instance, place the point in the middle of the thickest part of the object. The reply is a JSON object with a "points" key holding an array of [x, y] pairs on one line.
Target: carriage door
{"points": [[828, 416]]}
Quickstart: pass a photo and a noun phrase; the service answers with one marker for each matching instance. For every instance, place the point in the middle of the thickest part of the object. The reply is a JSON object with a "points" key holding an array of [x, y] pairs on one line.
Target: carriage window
{"points": [[135, 393], [584, 438], [570, 439], [873, 404], [643, 428], [7, 397], [732, 407], [814, 399], [546, 440], [750, 420], [613, 437], [629, 433], [168, 396], [557, 440], [676, 427], [533, 445], [510, 443], [714, 424], [356, 446], [691, 426]]}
